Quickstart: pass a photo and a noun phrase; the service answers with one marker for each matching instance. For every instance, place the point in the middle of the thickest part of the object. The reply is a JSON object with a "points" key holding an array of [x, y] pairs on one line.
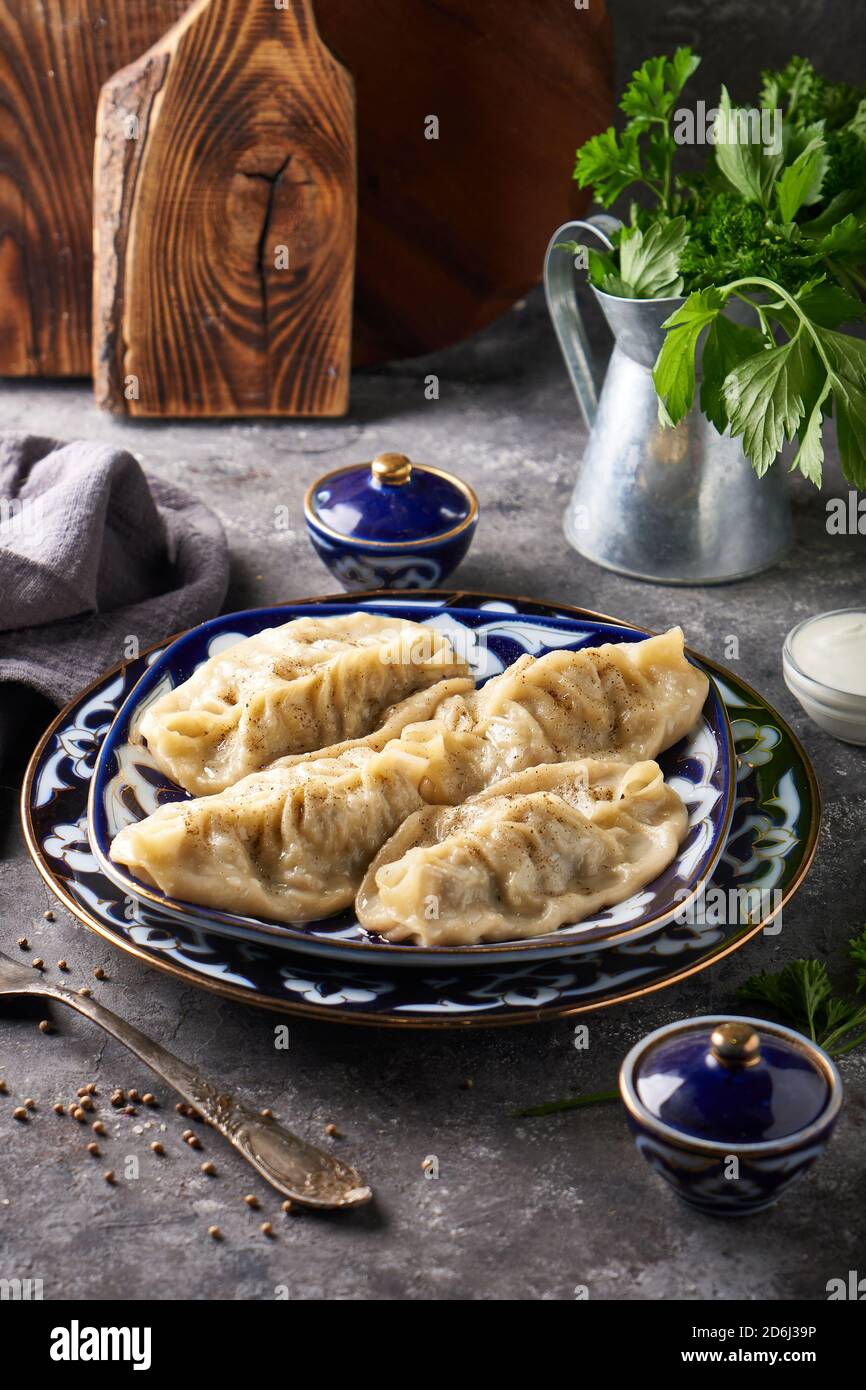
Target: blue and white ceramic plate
{"points": [[128, 786], [768, 853]]}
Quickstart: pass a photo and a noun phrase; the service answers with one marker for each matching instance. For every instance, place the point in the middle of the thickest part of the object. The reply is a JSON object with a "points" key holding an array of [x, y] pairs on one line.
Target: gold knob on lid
{"points": [[393, 469], [736, 1045]]}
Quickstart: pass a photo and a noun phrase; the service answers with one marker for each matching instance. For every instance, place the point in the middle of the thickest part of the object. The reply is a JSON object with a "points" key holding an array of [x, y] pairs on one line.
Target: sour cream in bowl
{"points": [[824, 665]]}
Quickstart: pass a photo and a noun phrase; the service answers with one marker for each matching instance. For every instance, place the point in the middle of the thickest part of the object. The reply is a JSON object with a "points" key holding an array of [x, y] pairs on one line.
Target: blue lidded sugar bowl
{"points": [[390, 524], [729, 1110]]}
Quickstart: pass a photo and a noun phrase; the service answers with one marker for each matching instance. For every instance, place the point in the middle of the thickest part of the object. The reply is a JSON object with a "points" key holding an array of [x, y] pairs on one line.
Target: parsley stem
{"points": [[553, 1107], [849, 1046], [805, 321]]}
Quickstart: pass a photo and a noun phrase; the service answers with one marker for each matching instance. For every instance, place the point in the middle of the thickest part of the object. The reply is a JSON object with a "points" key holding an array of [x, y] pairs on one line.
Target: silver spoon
{"points": [[299, 1170]]}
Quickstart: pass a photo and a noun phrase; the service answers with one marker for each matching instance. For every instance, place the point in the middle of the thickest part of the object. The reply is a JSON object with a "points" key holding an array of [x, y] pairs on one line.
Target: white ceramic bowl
{"points": [[838, 712]]}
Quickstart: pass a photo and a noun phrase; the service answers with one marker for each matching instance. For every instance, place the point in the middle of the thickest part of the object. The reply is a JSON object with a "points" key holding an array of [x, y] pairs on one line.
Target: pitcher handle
{"points": [[562, 304]]}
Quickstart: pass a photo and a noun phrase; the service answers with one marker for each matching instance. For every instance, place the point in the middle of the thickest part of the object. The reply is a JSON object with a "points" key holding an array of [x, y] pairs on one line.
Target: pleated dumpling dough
{"points": [[539, 850], [292, 842], [623, 700], [290, 689]]}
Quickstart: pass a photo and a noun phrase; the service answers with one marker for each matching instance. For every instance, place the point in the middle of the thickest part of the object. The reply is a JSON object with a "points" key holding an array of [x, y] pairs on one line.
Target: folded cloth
{"points": [[97, 561]]}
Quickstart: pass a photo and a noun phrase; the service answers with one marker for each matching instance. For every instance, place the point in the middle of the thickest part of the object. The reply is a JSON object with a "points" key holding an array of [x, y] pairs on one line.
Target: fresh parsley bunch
{"points": [[779, 226]]}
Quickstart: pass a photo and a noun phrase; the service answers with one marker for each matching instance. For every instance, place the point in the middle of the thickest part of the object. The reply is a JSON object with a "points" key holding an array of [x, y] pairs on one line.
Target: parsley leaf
{"points": [[727, 343], [648, 260], [747, 165], [655, 87], [609, 163], [674, 371], [764, 398], [800, 182], [802, 992]]}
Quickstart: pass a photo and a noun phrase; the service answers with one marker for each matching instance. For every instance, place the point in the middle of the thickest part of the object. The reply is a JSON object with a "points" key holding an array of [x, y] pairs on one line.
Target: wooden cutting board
{"points": [[451, 231], [224, 219], [54, 57]]}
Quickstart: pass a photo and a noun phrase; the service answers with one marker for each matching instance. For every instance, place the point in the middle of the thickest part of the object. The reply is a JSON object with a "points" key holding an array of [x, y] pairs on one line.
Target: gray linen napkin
{"points": [[93, 553]]}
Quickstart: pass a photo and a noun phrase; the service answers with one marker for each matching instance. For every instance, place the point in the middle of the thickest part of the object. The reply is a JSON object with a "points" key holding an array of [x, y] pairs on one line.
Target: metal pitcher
{"points": [[676, 506]]}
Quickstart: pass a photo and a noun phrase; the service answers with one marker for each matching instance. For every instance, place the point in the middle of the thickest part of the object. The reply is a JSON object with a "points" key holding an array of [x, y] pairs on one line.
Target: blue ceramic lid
{"points": [[731, 1080], [390, 501]]}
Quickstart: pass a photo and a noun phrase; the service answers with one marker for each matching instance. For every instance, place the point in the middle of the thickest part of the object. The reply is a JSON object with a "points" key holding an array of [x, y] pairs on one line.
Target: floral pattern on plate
{"points": [[772, 837]]}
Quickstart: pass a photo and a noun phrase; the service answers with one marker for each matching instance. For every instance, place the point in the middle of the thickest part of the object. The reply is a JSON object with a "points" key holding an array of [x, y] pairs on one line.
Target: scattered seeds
{"points": [[215, 1233], [19, 1113], [48, 915], [109, 1176], [93, 1149], [118, 1097], [331, 1131], [98, 1127], [148, 1098], [99, 973], [287, 1206], [187, 1135], [61, 965], [79, 1114], [194, 1141], [86, 1102], [129, 1110], [85, 993], [467, 1084], [251, 1200], [90, 1089], [24, 943], [3, 1091], [158, 1148], [208, 1169], [30, 1103], [38, 963], [132, 1094], [181, 1108], [266, 1114], [58, 1108], [266, 1228], [45, 1025]]}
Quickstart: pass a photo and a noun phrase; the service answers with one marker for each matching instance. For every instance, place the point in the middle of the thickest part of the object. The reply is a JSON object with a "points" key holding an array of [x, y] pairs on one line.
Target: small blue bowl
{"points": [[730, 1110], [390, 524]]}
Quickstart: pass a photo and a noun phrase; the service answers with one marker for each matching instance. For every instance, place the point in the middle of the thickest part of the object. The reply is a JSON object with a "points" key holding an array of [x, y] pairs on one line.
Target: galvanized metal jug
{"points": [[676, 506]]}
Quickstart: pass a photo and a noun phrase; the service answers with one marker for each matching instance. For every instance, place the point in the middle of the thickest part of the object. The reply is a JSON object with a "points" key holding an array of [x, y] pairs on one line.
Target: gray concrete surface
{"points": [[522, 1209]]}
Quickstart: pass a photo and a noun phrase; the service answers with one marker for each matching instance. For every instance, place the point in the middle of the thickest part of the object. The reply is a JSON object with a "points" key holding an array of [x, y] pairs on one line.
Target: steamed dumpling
{"points": [[292, 842], [625, 700], [306, 685], [539, 850]]}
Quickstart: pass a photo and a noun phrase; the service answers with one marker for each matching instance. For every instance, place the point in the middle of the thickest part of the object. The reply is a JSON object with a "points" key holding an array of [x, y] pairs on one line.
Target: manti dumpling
{"points": [[292, 842], [538, 850], [306, 685], [627, 700]]}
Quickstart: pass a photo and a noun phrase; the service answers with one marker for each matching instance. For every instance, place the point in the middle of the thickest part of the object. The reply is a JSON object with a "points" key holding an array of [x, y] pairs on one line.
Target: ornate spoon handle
{"points": [[299, 1170]]}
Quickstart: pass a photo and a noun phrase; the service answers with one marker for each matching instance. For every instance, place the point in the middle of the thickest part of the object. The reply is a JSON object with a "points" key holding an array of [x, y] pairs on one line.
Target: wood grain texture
{"points": [[452, 231], [224, 219], [54, 57]]}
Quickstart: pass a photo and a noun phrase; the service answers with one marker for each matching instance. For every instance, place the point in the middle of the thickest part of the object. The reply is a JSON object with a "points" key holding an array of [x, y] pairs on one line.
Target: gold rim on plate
{"points": [[234, 992]]}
